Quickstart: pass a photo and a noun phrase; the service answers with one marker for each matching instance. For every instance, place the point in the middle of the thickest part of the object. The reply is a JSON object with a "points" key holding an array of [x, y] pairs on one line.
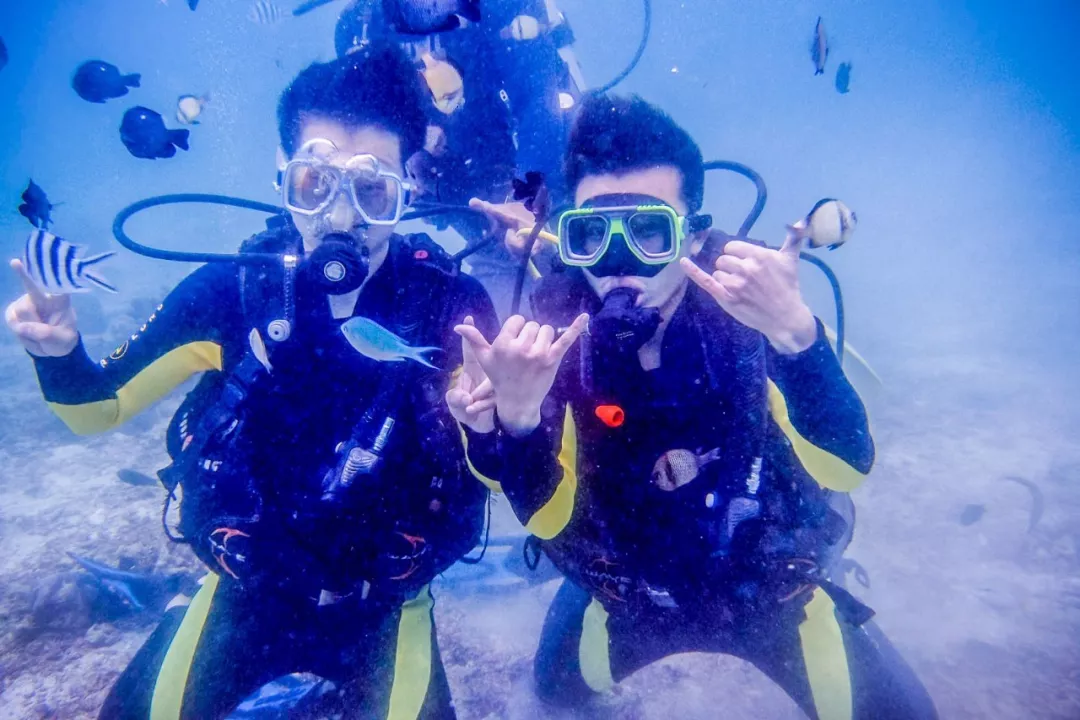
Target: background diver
{"points": [[680, 460], [302, 454]]}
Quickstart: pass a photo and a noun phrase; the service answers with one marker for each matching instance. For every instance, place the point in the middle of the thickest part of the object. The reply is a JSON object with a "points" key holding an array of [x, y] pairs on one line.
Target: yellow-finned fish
{"points": [[189, 107], [676, 468], [830, 223], [445, 83]]}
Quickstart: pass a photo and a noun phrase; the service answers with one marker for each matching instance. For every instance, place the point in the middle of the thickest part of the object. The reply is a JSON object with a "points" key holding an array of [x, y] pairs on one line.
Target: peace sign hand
{"points": [[471, 399], [44, 324]]}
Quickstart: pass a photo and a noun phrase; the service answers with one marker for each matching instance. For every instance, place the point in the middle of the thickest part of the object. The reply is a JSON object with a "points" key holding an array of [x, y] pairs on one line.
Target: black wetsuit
{"points": [[634, 513], [355, 605]]}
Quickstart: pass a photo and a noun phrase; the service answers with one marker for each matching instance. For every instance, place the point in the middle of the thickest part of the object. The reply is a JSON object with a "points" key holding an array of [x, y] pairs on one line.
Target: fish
{"points": [[55, 266], [445, 82], [258, 347], [424, 17], [819, 48], [305, 8], [137, 592], [97, 81], [189, 107], [144, 134], [3, 54], [676, 468], [972, 514], [1038, 502], [523, 27], [843, 78], [265, 12], [294, 695], [36, 206], [830, 223], [136, 478], [192, 4], [373, 341]]}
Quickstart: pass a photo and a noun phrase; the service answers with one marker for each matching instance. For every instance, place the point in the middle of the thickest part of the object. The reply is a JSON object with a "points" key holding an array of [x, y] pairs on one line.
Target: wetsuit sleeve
{"points": [[821, 415], [538, 472], [180, 339]]}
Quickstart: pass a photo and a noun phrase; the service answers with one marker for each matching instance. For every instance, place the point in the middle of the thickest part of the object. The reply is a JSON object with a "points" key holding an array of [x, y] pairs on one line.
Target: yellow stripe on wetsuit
{"points": [[412, 656], [151, 384], [827, 469], [821, 640], [549, 520]]}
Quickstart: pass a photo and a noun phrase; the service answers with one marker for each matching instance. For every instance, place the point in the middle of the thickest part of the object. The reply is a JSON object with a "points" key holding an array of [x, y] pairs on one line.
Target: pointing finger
{"points": [[39, 298], [560, 347]]}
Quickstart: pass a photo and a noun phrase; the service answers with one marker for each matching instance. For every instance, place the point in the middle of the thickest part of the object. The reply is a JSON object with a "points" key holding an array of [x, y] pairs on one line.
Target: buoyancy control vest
{"points": [[242, 524], [726, 504]]}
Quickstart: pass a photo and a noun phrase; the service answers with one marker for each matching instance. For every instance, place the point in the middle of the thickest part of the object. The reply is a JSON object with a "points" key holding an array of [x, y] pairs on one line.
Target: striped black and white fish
{"points": [[55, 266], [265, 12]]}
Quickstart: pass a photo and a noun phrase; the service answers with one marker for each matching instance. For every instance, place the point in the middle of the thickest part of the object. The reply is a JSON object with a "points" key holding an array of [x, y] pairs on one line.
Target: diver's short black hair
{"points": [[614, 134], [375, 86]]}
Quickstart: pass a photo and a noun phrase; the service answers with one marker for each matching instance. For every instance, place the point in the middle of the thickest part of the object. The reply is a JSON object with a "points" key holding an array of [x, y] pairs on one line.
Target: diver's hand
{"points": [[521, 364], [759, 287], [44, 324], [471, 399], [512, 221]]}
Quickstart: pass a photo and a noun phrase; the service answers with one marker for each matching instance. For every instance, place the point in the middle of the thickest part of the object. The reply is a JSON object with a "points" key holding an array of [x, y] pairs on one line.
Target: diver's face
{"points": [[341, 216], [663, 182]]}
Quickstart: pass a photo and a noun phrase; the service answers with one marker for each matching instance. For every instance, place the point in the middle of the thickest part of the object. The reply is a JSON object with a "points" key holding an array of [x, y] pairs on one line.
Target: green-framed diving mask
{"points": [[311, 182], [634, 235]]}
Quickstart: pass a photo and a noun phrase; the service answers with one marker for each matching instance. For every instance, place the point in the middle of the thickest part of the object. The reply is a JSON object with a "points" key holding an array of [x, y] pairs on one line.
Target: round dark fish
{"points": [[97, 81], [424, 17], [144, 134], [843, 78], [193, 4]]}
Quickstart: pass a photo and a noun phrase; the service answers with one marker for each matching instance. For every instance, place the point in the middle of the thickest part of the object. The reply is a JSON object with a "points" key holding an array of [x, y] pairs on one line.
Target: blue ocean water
{"points": [[959, 147]]}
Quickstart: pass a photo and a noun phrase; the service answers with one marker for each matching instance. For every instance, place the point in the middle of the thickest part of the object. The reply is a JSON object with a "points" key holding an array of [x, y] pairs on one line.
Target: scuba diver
{"points": [[321, 478], [502, 89], [672, 427]]}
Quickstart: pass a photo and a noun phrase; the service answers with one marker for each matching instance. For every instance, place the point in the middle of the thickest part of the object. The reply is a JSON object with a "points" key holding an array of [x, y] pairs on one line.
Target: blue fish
{"points": [[55, 266], [372, 340], [843, 78], [36, 206], [97, 81]]}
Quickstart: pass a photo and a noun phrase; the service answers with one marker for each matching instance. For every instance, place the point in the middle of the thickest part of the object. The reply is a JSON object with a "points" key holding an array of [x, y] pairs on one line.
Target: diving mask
{"points": [[310, 184], [653, 231]]}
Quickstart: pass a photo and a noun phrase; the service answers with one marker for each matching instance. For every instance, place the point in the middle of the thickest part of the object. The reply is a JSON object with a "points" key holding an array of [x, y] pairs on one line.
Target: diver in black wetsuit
{"points": [[323, 483], [678, 461], [503, 92]]}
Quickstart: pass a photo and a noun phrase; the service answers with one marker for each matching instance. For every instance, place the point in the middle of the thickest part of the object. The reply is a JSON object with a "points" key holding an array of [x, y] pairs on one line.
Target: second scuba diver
{"points": [[679, 461], [319, 475]]}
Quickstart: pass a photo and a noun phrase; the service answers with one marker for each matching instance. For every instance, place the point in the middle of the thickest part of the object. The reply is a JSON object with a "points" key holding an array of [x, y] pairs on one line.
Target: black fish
{"points": [[1038, 503], [424, 17], [136, 478], [843, 78], [3, 54], [131, 590], [528, 190], [36, 206], [972, 514], [97, 81], [193, 4], [145, 136]]}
